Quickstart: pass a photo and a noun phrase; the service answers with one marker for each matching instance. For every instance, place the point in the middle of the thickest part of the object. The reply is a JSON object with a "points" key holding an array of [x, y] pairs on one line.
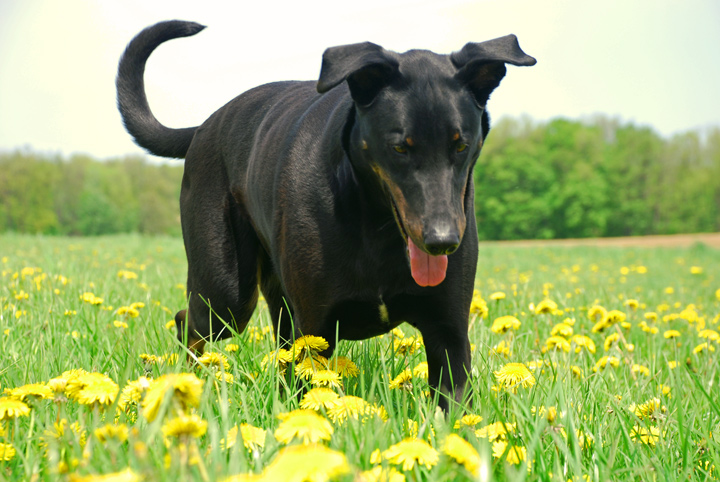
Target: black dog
{"points": [[348, 201]]}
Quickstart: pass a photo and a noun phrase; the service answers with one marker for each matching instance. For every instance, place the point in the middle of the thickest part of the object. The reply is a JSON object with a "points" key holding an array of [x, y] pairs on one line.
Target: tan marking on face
{"points": [[456, 136], [411, 224], [364, 145], [480, 144], [409, 141]]}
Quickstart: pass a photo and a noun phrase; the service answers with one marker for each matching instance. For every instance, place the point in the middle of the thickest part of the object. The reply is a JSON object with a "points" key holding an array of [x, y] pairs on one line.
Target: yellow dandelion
{"points": [[128, 311], [557, 343], [278, 359], [186, 389], [421, 370], [562, 329], [228, 378], [37, 391], [597, 313], [651, 316], [308, 344], [411, 451], [214, 360], [514, 374], [610, 340], [231, 347], [642, 370], [703, 347], [132, 393], [126, 274], [120, 324], [647, 409], [326, 378], [7, 452], [92, 388], [403, 381], [381, 474], [645, 435], [110, 431], [126, 475], [546, 306], [303, 424], [504, 323], [717, 294], [463, 453], [582, 341], [615, 316], [513, 454], [478, 306], [469, 420], [345, 367], [501, 349], [605, 361], [253, 438], [407, 346], [709, 334], [576, 371], [696, 270], [185, 426], [585, 440], [306, 368], [497, 296], [495, 431], [319, 398], [90, 298], [351, 406], [669, 334], [307, 463], [632, 304]]}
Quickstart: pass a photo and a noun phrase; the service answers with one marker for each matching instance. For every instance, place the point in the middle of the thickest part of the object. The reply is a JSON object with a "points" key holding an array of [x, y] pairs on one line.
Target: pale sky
{"points": [[651, 62]]}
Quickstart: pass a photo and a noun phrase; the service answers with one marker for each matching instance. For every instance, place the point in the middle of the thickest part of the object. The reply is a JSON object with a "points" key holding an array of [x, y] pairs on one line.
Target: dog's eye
{"points": [[461, 147], [399, 148]]}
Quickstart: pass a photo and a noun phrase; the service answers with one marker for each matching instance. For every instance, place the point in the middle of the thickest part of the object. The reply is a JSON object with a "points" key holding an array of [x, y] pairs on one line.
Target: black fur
{"points": [[313, 191]]}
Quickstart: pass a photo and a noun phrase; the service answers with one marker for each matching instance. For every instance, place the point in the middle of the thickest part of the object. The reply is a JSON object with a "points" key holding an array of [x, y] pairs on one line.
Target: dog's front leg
{"points": [[448, 356]]}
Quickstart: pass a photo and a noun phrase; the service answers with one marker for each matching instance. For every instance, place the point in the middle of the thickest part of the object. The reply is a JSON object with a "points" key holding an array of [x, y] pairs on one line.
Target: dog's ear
{"points": [[481, 66], [367, 67]]}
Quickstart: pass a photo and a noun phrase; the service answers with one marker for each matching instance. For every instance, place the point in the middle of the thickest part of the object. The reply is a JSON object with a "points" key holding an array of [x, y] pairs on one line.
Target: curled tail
{"points": [[139, 120]]}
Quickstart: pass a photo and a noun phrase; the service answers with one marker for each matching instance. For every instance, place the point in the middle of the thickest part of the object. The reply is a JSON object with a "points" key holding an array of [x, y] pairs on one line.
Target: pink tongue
{"points": [[426, 270]]}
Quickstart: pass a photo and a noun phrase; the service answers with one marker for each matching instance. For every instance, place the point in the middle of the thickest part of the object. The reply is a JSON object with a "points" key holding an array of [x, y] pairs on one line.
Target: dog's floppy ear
{"points": [[367, 67], [481, 66]]}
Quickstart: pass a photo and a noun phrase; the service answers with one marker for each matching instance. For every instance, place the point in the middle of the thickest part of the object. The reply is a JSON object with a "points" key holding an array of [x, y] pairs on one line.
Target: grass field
{"points": [[589, 363]]}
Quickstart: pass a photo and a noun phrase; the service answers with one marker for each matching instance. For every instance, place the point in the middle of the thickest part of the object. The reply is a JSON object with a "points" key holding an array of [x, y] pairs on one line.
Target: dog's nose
{"points": [[441, 241]]}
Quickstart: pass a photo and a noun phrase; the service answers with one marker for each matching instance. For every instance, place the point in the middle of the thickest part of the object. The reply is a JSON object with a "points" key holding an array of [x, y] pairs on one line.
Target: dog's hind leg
{"points": [[280, 309], [222, 251]]}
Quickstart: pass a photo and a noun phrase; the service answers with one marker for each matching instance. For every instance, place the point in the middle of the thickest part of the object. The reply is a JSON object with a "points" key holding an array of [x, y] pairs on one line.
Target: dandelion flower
{"points": [[38, 391], [605, 361], [469, 420], [411, 451], [421, 370], [132, 393], [647, 436], [381, 474], [185, 426], [185, 387], [651, 316], [501, 349], [326, 378], [12, 408], [403, 381], [109, 431], [515, 455], [303, 424], [495, 431], [350, 406], [407, 346], [253, 437], [702, 347], [610, 340], [7, 452], [478, 306], [307, 344], [576, 371], [307, 463], [582, 341], [643, 370], [126, 475], [597, 313], [306, 368], [319, 398], [562, 329], [92, 388], [669, 334], [232, 347], [632, 304], [546, 306], [463, 453], [557, 343], [279, 359], [214, 360], [345, 367], [90, 298], [647, 409], [514, 374], [709, 334], [504, 323]]}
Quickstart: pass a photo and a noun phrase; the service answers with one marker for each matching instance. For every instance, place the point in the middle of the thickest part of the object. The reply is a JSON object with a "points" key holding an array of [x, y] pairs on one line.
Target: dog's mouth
{"points": [[426, 269]]}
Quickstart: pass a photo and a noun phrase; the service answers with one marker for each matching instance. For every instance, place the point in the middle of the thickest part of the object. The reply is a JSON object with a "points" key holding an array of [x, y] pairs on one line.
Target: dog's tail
{"points": [[139, 120]]}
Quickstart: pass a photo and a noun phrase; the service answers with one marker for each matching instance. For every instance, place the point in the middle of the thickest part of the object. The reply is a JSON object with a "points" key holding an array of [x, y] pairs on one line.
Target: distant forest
{"points": [[557, 179]]}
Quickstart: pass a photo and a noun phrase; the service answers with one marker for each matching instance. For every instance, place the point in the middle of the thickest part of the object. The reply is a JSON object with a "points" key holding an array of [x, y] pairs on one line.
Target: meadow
{"points": [[589, 364]]}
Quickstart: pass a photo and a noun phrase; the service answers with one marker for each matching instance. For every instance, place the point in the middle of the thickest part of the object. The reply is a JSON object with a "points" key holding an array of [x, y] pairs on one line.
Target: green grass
{"points": [[52, 330]]}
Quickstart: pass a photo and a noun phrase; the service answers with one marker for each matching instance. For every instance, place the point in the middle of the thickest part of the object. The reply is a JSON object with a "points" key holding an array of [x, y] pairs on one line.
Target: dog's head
{"points": [[419, 125]]}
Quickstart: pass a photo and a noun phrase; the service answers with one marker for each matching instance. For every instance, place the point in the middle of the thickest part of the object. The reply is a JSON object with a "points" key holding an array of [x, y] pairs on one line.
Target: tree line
{"points": [[556, 179]]}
